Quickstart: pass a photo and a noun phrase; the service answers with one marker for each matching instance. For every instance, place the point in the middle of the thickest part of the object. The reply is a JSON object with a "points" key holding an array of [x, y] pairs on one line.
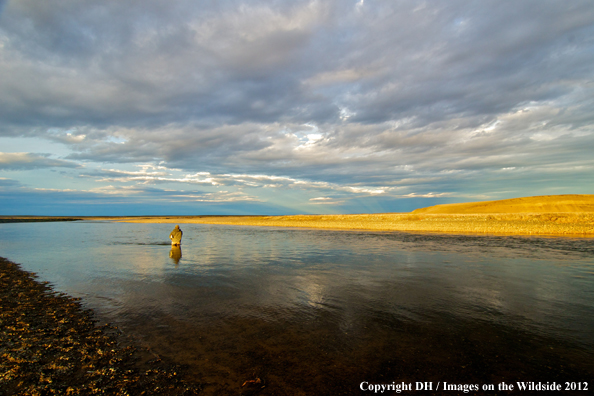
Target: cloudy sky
{"points": [[281, 107]]}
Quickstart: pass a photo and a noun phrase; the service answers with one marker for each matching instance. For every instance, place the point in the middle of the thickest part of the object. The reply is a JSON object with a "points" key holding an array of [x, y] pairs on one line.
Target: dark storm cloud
{"points": [[428, 95], [150, 63]]}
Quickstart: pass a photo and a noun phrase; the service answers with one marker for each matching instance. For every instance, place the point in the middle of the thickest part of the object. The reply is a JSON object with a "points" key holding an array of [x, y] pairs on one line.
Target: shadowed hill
{"points": [[541, 204]]}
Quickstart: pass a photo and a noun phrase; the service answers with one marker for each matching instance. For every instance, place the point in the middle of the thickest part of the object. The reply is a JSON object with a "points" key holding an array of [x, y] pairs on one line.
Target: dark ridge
{"points": [[25, 219]]}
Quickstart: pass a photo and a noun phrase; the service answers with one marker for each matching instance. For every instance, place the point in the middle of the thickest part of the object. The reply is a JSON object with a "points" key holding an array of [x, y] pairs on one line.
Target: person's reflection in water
{"points": [[175, 254]]}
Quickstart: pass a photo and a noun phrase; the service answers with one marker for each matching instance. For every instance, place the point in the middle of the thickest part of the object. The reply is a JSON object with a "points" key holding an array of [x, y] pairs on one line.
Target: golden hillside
{"points": [[568, 215], [541, 204]]}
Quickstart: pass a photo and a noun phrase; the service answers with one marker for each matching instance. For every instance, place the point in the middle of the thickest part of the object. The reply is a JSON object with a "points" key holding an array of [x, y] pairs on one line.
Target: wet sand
{"points": [[50, 345]]}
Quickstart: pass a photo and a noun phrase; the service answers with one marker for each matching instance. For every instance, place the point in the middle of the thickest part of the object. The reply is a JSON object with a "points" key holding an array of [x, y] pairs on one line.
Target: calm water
{"points": [[319, 312]]}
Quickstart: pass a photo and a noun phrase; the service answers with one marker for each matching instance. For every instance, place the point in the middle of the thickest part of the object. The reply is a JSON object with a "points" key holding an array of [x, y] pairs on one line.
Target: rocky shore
{"points": [[50, 345]]}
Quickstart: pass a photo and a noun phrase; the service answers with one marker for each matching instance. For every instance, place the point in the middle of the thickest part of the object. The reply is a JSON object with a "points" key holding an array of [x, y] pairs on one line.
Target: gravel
{"points": [[51, 345]]}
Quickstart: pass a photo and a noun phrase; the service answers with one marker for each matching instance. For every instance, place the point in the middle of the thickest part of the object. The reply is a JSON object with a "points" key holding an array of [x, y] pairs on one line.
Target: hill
{"points": [[567, 215]]}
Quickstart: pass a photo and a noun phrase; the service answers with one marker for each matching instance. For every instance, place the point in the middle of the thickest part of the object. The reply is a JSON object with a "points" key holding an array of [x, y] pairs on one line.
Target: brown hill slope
{"points": [[541, 204]]}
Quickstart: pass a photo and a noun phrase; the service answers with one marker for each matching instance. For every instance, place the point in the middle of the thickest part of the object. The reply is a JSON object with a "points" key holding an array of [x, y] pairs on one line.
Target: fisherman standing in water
{"points": [[176, 236], [175, 253]]}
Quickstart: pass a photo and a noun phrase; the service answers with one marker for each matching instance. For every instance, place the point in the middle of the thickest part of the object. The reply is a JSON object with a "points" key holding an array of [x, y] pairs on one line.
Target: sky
{"points": [[155, 107]]}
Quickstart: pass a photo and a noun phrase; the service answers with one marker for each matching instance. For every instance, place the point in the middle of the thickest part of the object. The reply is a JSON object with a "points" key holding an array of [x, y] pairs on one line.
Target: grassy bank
{"points": [[568, 215], [569, 224]]}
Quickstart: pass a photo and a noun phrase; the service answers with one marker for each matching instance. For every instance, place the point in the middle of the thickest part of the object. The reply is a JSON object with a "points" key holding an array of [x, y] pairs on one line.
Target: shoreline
{"points": [[543, 224], [554, 224], [570, 215], [37, 219], [564, 224], [51, 345]]}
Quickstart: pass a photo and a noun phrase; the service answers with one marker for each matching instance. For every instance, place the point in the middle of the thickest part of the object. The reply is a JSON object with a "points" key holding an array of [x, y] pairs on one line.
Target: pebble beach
{"points": [[51, 345]]}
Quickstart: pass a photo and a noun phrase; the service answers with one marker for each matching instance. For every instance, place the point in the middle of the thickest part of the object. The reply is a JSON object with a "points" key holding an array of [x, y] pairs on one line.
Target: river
{"points": [[320, 312]]}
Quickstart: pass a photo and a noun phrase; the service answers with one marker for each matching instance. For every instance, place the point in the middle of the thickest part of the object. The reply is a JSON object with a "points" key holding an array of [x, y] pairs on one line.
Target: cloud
{"points": [[326, 201], [371, 99], [26, 161], [220, 197], [428, 195], [156, 62], [259, 181], [143, 192], [160, 63], [8, 183]]}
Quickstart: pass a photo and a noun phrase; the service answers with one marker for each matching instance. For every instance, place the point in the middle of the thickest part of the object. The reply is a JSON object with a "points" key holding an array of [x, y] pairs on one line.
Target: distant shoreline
{"points": [[561, 224], [552, 224], [554, 215], [36, 219]]}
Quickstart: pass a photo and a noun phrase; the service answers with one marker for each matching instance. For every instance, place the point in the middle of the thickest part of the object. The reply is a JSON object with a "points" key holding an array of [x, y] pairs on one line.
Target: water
{"points": [[320, 312]]}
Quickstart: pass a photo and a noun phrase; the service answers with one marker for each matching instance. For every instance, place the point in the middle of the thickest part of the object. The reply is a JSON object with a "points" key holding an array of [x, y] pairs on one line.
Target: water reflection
{"points": [[175, 254], [317, 312]]}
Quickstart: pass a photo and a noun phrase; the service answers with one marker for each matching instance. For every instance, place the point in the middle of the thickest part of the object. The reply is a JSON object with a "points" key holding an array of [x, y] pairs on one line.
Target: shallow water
{"points": [[320, 312]]}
